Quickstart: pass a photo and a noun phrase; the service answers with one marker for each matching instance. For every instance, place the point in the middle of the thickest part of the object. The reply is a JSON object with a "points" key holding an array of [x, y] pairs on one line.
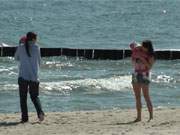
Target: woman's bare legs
{"points": [[137, 92], [145, 89]]}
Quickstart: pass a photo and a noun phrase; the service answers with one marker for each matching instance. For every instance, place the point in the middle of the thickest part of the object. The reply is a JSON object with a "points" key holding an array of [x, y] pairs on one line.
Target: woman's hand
{"points": [[148, 63]]}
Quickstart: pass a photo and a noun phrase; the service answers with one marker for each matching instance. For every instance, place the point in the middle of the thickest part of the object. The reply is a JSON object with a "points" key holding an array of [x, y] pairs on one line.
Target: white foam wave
{"points": [[117, 83], [163, 79], [9, 70], [57, 64], [8, 87], [4, 70]]}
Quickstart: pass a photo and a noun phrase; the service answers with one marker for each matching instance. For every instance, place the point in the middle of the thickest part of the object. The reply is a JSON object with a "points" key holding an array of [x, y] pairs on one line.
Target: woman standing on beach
{"points": [[29, 57], [142, 60]]}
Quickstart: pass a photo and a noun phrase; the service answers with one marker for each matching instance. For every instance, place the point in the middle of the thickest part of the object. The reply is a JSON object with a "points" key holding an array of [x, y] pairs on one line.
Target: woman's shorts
{"points": [[140, 78]]}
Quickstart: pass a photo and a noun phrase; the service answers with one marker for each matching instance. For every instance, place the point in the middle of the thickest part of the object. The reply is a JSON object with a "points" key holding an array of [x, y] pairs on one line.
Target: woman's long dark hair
{"points": [[29, 37], [148, 44]]}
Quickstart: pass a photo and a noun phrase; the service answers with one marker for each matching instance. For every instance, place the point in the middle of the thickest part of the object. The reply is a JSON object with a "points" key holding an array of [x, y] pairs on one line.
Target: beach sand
{"points": [[111, 122]]}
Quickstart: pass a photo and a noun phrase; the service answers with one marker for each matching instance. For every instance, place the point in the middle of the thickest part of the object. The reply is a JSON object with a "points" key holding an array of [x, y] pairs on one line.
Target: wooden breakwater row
{"points": [[93, 53]]}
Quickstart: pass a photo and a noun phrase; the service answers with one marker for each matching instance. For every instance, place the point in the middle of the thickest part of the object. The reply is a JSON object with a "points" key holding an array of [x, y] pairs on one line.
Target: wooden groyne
{"points": [[92, 53]]}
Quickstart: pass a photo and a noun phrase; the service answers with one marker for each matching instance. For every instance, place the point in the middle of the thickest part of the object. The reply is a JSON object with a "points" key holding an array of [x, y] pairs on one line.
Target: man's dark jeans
{"points": [[33, 88]]}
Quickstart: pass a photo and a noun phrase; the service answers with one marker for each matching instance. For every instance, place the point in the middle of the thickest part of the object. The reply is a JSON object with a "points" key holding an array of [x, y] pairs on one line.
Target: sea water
{"points": [[73, 84]]}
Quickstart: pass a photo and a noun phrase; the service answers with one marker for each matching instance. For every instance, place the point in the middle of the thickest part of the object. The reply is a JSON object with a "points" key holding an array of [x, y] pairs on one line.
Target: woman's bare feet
{"points": [[137, 120], [41, 117], [150, 118]]}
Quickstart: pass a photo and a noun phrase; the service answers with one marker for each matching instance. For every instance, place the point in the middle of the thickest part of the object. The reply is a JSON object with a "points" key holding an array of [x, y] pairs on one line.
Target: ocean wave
{"points": [[8, 87], [164, 79], [117, 83], [57, 64], [91, 85], [8, 71]]}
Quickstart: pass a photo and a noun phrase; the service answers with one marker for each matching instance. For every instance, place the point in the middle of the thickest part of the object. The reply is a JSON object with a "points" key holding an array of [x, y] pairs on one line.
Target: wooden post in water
{"points": [[100, 54]]}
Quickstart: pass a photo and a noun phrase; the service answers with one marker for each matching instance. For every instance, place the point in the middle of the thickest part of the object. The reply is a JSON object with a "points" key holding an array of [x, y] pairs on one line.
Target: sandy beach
{"points": [[110, 122]]}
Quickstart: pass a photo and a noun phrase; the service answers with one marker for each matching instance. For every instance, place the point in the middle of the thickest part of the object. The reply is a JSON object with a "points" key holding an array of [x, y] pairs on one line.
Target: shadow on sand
{"points": [[126, 123], [7, 124], [123, 123]]}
